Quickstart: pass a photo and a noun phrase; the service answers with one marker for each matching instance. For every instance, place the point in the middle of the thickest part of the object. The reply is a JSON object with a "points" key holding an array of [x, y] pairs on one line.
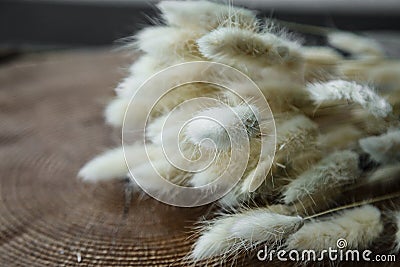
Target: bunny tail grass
{"points": [[115, 111], [384, 148], [244, 48], [173, 43], [230, 121], [337, 169], [262, 225], [214, 241], [355, 44], [206, 16], [359, 227], [244, 230], [386, 175], [109, 165], [112, 165], [345, 90]]}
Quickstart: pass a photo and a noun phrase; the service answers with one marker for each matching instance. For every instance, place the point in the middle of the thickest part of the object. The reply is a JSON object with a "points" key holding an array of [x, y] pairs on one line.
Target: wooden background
{"points": [[51, 123]]}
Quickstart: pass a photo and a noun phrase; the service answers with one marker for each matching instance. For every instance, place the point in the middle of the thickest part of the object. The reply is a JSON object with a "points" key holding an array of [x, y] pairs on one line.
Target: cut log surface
{"points": [[51, 123]]}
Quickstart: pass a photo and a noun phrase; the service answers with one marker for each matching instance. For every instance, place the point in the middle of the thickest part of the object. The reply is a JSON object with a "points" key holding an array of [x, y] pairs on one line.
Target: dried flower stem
{"points": [[355, 204]]}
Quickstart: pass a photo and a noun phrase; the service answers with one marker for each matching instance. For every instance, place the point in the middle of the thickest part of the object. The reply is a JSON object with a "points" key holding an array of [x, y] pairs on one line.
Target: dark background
{"points": [[47, 24]]}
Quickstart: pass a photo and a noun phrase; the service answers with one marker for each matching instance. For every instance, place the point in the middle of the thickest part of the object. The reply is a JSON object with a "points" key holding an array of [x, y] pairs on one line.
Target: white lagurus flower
{"points": [[244, 230], [359, 227], [223, 126], [261, 225], [351, 91], [111, 164], [243, 48], [384, 148], [355, 44], [337, 169], [173, 44], [206, 16]]}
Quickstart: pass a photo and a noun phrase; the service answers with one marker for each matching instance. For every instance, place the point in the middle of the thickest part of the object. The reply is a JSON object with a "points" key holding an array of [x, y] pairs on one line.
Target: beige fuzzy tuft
{"points": [[351, 91], [206, 16], [386, 175], [384, 148], [115, 111], [295, 134], [260, 225], [356, 44], [109, 165], [341, 137], [358, 226], [174, 44], [244, 230], [320, 62], [335, 170], [244, 49]]}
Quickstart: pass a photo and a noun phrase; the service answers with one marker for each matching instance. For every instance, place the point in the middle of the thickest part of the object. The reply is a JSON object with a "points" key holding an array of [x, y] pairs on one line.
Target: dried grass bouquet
{"points": [[336, 112]]}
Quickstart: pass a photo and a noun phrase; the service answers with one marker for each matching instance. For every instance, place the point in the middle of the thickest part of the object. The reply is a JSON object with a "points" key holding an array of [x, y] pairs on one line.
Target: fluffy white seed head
{"points": [[244, 230], [129, 86], [383, 73], [320, 55], [355, 44], [370, 124], [227, 169], [351, 91], [384, 148], [288, 129], [115, 111], [206, 16], [337, 169], [221, 167], [339, 138], [358, 226], [255, 176], [165, 129], [149, 174], [172, 45], [171, 79], [215, 240], [111, 164], [320, 62], [281, 88], [295, 151], [243, 48], [260, 225], [146, 65], [138, 112], [217, 123], [207, 176], [119, 109], [295, 134], [386, 175]]}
